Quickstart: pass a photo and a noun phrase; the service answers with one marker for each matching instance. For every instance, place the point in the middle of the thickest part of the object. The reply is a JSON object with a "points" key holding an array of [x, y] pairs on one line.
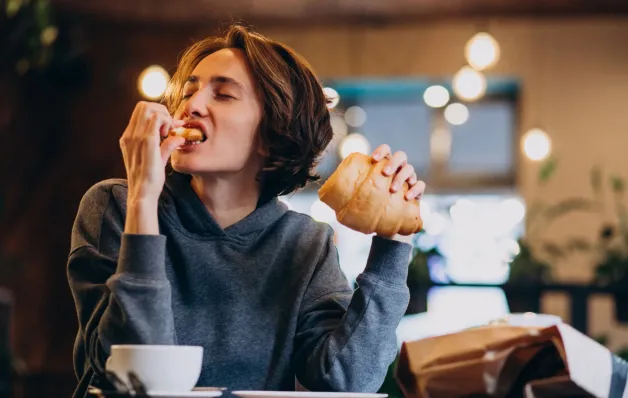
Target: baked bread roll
{"points": [[360, 195], [187, 133]]}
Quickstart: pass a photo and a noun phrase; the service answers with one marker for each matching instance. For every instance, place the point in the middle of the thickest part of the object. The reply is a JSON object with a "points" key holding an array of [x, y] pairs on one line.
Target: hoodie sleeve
{"points": [[118, 282], [346, 339]]}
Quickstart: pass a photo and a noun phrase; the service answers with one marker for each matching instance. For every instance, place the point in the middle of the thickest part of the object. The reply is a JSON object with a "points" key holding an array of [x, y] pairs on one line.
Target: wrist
{"points": [[388, 260], [141, 216], [142, 203], [398, 238]]}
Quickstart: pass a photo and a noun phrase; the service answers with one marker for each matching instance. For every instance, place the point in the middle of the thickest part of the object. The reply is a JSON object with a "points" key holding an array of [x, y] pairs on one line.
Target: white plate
{"points": [[199, 392], [304, 394]]}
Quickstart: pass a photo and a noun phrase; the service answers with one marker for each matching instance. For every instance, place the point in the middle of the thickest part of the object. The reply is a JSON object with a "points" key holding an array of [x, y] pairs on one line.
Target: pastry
{"points": [[360, 195]]}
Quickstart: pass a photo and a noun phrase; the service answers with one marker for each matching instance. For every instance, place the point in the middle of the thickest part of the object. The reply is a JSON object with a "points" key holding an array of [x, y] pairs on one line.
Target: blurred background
{"points": [[514, 113]]}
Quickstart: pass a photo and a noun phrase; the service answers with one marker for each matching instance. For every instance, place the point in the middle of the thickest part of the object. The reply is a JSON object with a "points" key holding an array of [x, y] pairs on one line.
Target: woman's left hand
{"points": [[402, 171]]}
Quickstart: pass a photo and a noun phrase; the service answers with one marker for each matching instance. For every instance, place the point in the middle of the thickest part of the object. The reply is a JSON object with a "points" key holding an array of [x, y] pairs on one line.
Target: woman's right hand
{"points": [[144, 158]]}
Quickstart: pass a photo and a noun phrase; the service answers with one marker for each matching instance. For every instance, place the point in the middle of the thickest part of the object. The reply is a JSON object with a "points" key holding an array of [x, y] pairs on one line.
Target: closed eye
{"points": [[219, 97], [224, 97]]}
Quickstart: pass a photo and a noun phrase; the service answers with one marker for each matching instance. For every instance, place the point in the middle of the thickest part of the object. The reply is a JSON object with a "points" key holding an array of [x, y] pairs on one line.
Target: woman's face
{"points": [[220, 98]]}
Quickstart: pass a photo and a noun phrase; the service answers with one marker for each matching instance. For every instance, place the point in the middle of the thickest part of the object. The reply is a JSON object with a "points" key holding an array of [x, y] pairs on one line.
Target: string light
{"points": [[456, 114], [436, 96], [536, 144], [354, 142], [333, 97], [469, 84], [482, 51], [153, 82]]}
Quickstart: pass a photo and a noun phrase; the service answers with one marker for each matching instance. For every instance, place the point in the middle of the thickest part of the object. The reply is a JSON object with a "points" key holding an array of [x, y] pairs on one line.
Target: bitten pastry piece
{"points": [[360, 195], [188, 133]]}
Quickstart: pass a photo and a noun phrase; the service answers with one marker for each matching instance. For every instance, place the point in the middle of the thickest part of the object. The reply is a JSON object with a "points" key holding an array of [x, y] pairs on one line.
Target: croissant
{"points": [[360, 195], [188, 133]]}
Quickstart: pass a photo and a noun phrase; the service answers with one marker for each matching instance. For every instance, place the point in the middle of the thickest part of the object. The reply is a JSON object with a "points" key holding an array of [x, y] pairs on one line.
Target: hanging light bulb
{"points": [[469, 84], [456, 114], [332, 96], [482, 51], [153, 82], [355, 116], [354, 142], [436, 96], [536, 144]]}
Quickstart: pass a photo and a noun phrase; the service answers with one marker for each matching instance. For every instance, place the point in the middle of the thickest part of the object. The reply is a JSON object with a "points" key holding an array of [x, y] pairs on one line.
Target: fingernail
{"points": [[388, 170], [376, 156], [395, 186]]}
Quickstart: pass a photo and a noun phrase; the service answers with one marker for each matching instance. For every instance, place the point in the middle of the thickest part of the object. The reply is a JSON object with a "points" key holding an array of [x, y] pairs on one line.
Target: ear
{"points": [[262, 150]]}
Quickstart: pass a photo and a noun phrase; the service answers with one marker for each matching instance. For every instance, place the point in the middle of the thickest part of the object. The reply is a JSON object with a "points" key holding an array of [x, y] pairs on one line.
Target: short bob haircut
{"points": [[295, 128]]}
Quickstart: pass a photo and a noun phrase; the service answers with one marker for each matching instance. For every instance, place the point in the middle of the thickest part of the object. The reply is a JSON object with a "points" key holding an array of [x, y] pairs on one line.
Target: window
{"points": [[471, 210]]}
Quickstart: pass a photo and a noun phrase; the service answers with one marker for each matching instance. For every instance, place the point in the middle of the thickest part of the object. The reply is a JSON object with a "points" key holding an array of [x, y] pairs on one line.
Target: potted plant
{"points": [[531, 268], [612, 251], [527, 275]]}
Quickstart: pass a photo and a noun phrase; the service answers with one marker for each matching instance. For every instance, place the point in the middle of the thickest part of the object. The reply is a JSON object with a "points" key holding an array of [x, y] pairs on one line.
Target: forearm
{"points": [[118, 280], [140, 303], [353, 354], [132, 306], [138, 312], [141, 217]]}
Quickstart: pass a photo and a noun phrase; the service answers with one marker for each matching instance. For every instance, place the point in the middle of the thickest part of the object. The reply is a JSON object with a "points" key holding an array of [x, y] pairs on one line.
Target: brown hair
{"points": [[295, 128]]}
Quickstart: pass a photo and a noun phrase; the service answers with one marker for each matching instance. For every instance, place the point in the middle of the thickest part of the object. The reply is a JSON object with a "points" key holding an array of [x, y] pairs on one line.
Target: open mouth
{"points": [[193, 135]]}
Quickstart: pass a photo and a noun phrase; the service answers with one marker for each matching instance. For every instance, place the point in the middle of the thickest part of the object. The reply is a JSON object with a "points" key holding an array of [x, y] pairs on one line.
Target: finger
{"points": [[412, 180], [151, 129], [381, 152], [159, 123], [169, 145], [171, 124], [158, 108], [151, 108], [138, 111], [167, 128], [399, 159], [416, 191], [404, 174]]}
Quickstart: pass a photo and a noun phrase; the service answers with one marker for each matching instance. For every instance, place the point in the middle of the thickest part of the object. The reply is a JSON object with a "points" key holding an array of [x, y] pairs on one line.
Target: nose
{"points": [[198, 104]]}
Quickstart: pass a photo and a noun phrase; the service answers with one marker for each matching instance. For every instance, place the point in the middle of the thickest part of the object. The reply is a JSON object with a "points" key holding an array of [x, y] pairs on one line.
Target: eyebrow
{"points": [[216, 80]]}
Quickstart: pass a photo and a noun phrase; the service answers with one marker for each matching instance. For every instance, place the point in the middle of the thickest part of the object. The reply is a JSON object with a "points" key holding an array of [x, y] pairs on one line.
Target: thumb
{"points": [[168, 146]]}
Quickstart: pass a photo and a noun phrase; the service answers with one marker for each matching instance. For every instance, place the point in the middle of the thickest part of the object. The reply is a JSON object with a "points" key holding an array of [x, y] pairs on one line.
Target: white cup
{"points": [[161, 368], [530, 319]]}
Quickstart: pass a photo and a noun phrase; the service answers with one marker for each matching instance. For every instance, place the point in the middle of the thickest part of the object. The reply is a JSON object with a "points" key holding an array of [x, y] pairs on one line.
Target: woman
{"points": [[207, 255]]}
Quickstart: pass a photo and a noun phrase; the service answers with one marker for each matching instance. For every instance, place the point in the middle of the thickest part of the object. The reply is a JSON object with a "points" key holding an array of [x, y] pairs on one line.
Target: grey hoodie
{"points": [[265, 297]]}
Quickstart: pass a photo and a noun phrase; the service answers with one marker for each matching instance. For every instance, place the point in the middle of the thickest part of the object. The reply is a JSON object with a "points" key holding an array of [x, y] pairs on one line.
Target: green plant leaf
{"points": [[596, 179], [568, 205], [602, 339], [12, 7], [618, 184], [553, 250], [42, 14], [547, 170], [622, 353]]}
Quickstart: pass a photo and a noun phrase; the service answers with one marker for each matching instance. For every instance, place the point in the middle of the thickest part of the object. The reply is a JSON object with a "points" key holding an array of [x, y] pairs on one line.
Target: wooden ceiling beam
{"points": [[335, 11]]}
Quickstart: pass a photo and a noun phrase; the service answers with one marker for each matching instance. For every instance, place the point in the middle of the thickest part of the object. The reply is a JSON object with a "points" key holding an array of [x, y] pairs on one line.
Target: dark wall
{"points": [[59, 134]]}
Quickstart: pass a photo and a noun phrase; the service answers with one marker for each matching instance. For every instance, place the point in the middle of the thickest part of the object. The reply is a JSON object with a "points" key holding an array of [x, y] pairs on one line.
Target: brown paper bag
{"points": [[495, 361]]}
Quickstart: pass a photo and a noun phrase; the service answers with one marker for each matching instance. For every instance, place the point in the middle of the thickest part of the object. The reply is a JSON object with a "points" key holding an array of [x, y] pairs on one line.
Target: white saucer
{"points": [[199, 392], [304, 394]]}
